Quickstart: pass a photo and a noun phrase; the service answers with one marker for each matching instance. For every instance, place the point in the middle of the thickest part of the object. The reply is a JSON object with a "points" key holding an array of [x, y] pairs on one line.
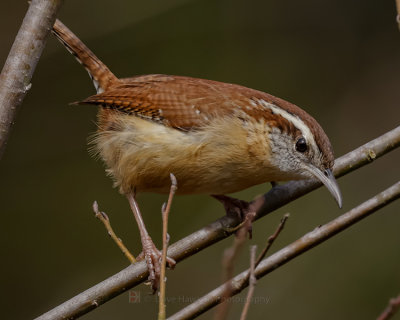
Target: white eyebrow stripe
{"points": [[297, 122]]}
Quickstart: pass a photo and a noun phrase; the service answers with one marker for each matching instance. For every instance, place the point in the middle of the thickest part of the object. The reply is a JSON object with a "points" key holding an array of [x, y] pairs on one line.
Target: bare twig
{"points": [[216, 231], [230, 256], [102, 216], [391, 309], [165, 212], [15, 78], [252, 283], [272, 238], [228, 263], [250, 278], [269, 243], [398, 12], [291, 251]]}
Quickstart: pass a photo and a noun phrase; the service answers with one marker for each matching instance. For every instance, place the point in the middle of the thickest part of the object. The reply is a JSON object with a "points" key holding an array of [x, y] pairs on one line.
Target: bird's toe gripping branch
{"points": [[238, 208]]}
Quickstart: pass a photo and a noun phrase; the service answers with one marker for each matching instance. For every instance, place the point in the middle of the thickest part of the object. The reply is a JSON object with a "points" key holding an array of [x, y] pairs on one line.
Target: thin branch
{"points": [[102, 216], [216, 231], [252, 283], [291, 251], [228, 262], [15, 78], [165, 212], [272, 238], [269, 243], [391, 309], [231, 254]]}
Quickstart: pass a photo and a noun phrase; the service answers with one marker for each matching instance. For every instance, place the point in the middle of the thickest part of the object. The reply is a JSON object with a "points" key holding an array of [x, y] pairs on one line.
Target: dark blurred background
{"points": [[339, 60]]}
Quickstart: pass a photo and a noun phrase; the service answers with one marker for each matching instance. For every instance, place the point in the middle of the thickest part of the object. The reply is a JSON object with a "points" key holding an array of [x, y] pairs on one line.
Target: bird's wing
{"points": [[181, 102]]}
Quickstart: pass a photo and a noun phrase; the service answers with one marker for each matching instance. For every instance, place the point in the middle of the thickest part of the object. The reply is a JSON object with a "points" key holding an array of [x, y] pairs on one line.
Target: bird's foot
{"points": [[153, 258], [238, 208]]}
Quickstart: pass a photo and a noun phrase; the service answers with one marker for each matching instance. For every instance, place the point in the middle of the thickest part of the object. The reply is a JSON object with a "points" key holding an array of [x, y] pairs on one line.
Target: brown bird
{"points": [[216, 138]]}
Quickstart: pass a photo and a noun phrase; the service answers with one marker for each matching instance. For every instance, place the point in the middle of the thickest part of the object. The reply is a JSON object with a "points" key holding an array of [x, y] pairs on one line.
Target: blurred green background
{"points": [[339, 60]]}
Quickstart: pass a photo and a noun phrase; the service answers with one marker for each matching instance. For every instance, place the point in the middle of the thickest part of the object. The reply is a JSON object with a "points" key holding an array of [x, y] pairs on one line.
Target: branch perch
{"points": [[291, 251], [15, 78], [214, 232]]}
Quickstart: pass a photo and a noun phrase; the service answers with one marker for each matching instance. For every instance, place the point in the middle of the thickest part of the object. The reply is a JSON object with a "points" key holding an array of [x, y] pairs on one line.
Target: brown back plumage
{"points": [[183, 103], [189, 103]]}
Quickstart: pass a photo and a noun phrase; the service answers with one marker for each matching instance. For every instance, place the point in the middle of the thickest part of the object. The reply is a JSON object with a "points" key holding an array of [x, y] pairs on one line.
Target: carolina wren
{"points": [[215, 137]]}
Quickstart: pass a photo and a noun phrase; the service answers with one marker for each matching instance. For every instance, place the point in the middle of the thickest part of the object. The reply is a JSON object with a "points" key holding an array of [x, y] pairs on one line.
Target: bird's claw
{"points": [[238, 208], [153, 258]]}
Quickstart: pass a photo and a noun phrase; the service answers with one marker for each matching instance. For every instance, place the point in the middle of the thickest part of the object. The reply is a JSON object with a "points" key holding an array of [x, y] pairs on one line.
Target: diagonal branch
{"points": [[391, 309], [216, 231], [290, 252], [15, 78]]}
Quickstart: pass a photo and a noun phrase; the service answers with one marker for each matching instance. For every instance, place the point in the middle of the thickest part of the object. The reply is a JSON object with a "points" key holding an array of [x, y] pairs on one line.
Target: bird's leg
{"points": [[150, 252], [238, 208]]}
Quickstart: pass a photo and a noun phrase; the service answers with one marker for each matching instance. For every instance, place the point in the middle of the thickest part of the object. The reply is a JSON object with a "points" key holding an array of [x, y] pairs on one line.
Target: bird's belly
{"points": [[141, 155]]}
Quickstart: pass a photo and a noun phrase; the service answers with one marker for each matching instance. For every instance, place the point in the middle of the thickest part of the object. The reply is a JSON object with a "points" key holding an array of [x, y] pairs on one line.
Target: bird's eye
{"points": [[301, 145]]}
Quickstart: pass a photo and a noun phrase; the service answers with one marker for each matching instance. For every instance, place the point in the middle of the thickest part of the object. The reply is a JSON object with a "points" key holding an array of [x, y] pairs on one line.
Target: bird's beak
{"points": [[328, 179]]}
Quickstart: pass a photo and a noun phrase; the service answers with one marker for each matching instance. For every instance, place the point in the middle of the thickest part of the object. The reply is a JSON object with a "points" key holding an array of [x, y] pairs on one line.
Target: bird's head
{"points": [[300, 149]]}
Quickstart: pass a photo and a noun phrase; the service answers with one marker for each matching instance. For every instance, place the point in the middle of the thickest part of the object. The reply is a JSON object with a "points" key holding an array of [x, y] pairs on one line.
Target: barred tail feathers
{"points": [[98, 71]]}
